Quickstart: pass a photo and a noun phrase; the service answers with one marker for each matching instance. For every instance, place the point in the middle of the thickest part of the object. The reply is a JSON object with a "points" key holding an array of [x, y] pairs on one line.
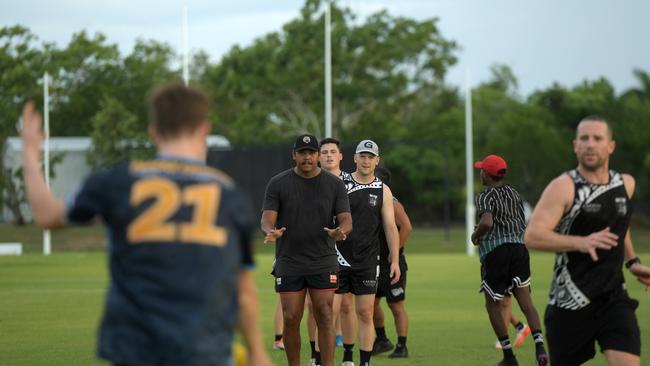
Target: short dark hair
{"points": [[597, 118], [383, 174], [175, 109], [330, 140]]}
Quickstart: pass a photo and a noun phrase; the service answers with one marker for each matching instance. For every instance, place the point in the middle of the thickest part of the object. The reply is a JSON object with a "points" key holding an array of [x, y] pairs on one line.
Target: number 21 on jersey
{"points": [[153, 224]]}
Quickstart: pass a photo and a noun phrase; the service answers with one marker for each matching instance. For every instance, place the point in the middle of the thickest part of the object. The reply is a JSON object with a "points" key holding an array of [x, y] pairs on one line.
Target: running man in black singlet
{"points": [[299, 206], [371, 204], [179, 248], [583, 216]]}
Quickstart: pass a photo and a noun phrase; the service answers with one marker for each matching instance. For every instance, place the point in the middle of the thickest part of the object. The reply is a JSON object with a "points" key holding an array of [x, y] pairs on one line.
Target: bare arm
{"points": [[269, 219], [641, 271], [48, 210], [248, 320], [557, 199], [392, 236], [483, 227], [403, 223]]}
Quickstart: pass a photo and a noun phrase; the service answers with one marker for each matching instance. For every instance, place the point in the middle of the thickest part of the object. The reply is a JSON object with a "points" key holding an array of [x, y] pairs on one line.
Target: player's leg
{"points": [[337, 329], [495, 282], [277, 326], [520, 274], [401, 326], [395, 300], [382, 343], [343, 307], [311, 331], [523, 330], [322, 307], [364, 306], [293, 305]]}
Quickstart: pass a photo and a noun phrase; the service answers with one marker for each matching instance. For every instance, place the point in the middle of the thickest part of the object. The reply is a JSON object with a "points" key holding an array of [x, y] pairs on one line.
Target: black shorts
{"points": [[358, 281], [392, 293], [610, 321], [504, 268], [320, 281]]}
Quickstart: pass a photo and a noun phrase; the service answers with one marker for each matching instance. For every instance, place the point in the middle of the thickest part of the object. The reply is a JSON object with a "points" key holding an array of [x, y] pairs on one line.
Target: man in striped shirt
{"points": [[505, 265]]}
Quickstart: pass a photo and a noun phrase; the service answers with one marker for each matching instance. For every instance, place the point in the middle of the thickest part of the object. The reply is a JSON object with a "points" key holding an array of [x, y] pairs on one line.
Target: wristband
{"points": [[632, 262]]}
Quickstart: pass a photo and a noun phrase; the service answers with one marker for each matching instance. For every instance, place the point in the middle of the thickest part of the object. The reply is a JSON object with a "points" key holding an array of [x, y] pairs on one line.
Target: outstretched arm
{"points": [[48, 210]]}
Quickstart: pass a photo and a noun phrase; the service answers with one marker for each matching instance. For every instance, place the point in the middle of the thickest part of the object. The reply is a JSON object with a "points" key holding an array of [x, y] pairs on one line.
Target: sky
{"points": [[543, 41]]}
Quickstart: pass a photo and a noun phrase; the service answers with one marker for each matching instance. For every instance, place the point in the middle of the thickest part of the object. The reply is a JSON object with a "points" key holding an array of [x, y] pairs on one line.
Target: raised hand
{"points": [[31, 131], [273, 235], [604, 239], [336, 233]]}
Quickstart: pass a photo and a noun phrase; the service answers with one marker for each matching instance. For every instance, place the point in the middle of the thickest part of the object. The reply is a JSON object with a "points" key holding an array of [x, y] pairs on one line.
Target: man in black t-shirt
{"points": [[371, 204], [179, 242], [299, 205], [584, 216]]}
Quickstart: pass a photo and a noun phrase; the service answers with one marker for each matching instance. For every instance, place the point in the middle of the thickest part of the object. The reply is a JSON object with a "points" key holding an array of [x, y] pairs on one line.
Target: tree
{"points": [[116, 135], [273, 89]]}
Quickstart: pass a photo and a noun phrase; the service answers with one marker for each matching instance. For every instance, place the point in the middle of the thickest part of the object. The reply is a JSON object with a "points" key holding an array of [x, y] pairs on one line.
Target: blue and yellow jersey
{"points": [[179, 235]]}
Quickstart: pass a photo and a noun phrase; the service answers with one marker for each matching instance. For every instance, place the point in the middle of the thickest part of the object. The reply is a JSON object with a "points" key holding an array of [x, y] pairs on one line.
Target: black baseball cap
{"points": [[309, 142]]}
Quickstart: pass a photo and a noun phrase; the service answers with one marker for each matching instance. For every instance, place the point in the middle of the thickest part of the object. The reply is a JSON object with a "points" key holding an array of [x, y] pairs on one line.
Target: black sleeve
{"points": [[342, 202], [272, 196], [88, 200]]}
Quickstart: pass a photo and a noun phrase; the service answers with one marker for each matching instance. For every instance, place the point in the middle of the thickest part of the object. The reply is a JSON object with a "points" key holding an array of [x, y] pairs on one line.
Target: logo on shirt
{"points": [[621, 205], [332, 278], [372, 200], [592, 207]]}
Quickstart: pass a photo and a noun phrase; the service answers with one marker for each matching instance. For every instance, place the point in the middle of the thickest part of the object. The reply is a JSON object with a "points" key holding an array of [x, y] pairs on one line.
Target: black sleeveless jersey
{"points": [[384, 250], [577, 280], [362, 245], [179, 235]]}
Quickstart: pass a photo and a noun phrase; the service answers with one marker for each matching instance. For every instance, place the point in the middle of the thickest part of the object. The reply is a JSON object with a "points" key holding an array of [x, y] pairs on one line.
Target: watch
{"points": [[632, 262]]}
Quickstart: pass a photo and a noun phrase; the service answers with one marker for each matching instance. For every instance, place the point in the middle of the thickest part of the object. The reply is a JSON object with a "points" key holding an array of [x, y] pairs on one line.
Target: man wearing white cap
{"points": [[371, 205]]}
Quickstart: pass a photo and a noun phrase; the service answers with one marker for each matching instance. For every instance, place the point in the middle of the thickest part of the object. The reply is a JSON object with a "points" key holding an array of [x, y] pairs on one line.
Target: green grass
{"points": [[50, 308]]}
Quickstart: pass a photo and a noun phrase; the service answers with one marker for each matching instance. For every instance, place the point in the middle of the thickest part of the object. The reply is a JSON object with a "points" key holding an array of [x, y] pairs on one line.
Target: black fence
{"points": [[252, 167]]}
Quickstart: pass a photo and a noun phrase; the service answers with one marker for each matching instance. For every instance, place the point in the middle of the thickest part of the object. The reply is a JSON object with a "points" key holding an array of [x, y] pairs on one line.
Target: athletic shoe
{"points": [[497, 345], [312, 362], [381, 346], [399, 352], [339, 340], [521, 335], [279, 344], [541, 359], [347, 363], [508, 362]]}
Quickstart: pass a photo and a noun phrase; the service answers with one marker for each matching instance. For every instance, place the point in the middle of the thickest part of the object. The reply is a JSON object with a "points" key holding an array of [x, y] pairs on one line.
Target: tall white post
{"points": [[47, 238], [328, 70], [470, 210], [186, 57]]}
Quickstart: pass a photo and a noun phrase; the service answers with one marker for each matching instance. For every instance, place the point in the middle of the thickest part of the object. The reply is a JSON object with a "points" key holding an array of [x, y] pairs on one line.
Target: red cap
{"points": [[494, 165]]}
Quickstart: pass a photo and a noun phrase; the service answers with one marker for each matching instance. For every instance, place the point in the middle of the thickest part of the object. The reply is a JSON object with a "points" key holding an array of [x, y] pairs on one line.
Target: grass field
{"points": [[50, 308]]}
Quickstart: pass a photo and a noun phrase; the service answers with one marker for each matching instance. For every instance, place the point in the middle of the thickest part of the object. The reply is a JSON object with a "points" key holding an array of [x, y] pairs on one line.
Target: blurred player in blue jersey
{"points": [[179, 241]]}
